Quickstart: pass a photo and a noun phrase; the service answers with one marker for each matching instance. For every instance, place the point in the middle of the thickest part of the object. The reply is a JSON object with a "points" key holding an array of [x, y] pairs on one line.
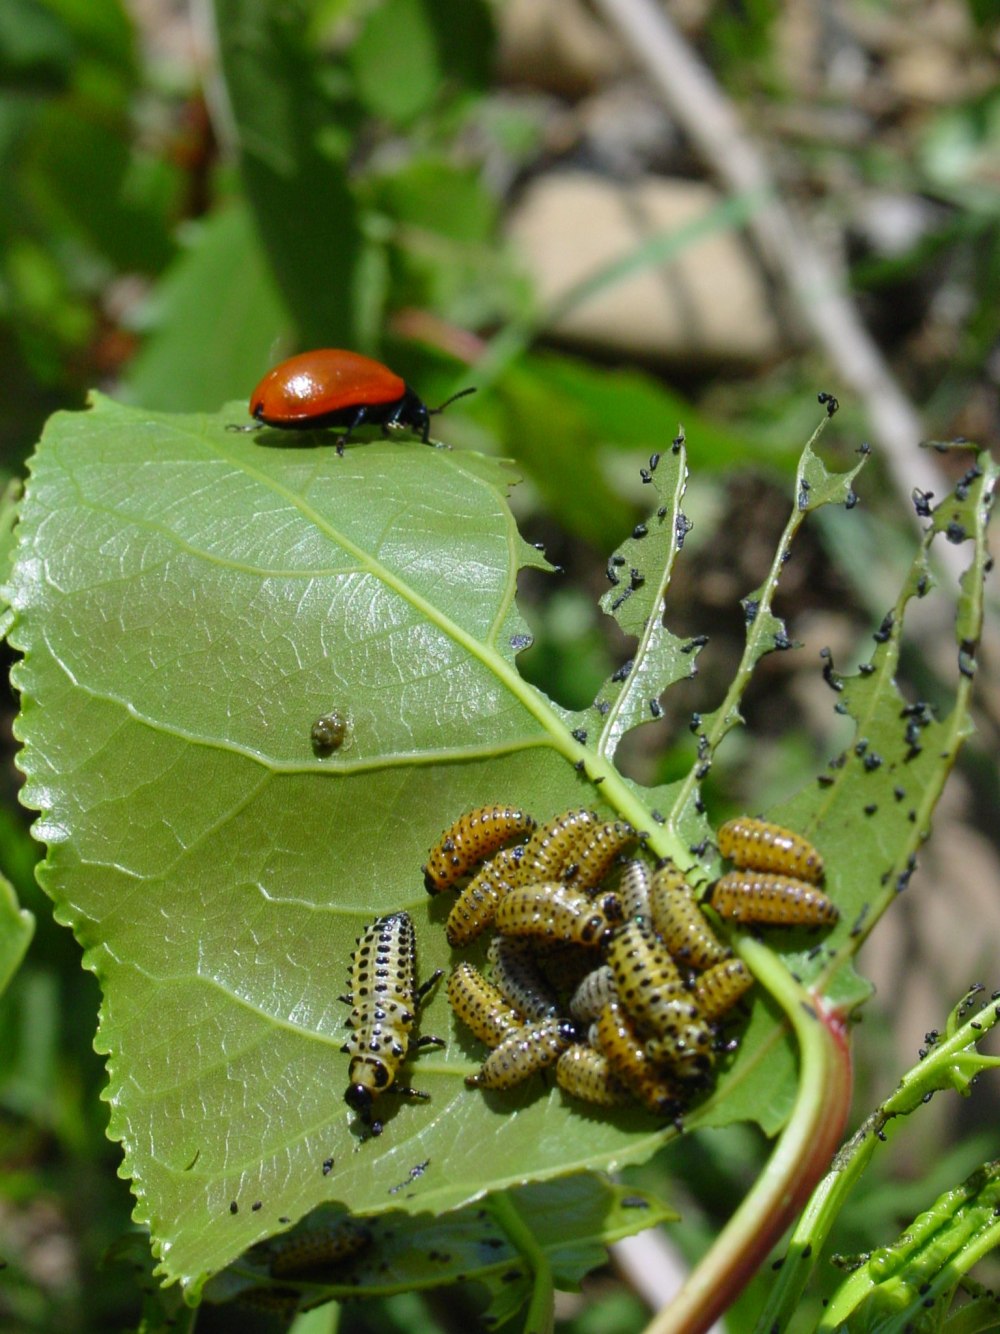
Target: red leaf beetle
{"points": [[334, 387]]}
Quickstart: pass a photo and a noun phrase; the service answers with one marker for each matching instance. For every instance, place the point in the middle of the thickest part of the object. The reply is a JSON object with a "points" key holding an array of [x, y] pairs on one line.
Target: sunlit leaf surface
{"points": [[189, 601]]}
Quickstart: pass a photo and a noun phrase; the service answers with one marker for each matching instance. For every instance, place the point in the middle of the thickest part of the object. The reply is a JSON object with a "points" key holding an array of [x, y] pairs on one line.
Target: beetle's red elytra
{"points": [[335, 387]]}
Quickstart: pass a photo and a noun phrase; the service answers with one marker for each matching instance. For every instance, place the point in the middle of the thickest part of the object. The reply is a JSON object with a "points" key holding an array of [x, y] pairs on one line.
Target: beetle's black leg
{"points": [[357, 420]]}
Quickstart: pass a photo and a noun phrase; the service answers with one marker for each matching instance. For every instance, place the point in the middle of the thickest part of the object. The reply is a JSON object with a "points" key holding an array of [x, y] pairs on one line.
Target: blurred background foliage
{"points": [[475, 192]]}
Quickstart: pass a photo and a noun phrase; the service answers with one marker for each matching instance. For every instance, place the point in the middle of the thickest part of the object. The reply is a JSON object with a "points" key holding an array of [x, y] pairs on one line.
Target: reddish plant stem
{"points": [[800, 1159]]}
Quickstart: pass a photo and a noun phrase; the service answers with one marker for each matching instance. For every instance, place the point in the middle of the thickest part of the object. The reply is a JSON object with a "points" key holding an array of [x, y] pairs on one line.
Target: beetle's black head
{"points": [[414, 412]]}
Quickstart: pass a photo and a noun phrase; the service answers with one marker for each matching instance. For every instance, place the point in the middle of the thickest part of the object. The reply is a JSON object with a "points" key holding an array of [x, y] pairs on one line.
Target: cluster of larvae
{"points": [[601, 966]]}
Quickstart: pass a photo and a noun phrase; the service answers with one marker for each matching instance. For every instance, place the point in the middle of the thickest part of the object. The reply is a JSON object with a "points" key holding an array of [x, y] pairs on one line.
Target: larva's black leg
{"points": [[425, 987]]}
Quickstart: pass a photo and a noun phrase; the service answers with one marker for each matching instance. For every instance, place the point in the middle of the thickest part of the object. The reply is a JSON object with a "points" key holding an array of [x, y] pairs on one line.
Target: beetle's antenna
{"points": [[432, 412]]}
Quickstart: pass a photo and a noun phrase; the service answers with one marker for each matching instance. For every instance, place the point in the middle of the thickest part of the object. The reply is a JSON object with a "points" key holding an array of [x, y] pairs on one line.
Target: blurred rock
{"points": [[557, 45], [709, 305]]}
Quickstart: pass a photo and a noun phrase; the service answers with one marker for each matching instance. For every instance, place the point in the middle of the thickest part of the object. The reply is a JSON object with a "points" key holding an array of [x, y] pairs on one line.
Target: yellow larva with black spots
{"points": [[585, 1073], [633, 889], [619, 1040], [472, 838], [384, 998], [591, 863], [316, 1247], [680, 922], [651, 989], [523, 1054], [481, 1007], [685, 1045], [759, 845], [720, 987], [476, 906], [552, 846], [518, 977], [554, 912], [646, 977], [756, 897]]}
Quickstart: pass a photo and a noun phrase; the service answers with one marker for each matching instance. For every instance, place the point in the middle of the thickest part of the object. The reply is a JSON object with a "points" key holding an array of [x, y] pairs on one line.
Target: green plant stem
{"points": [[800, 1157], [910, 1300], [540, 1318], [807, 1241]]}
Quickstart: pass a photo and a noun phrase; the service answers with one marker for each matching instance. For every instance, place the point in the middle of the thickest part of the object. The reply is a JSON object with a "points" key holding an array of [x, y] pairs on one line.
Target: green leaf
{"points": [[395, 61], [17, 926], [555, 444], [431, 193], [298, 192], [189, 601], [408, 51], [9, 499], [214, 321], [639, 573], [36, 50], [632, 410], [208, 596], [573, 1221], [91, 180]]}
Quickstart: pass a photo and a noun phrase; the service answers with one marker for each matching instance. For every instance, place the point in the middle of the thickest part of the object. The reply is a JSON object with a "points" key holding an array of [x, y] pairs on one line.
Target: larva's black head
{"points": [[569, 1031], [611, 906], [359, 1098]]}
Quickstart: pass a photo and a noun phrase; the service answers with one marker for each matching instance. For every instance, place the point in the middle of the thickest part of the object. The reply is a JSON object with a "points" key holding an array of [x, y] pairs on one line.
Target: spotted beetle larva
{"points": [[759, 845], [518, 977], [686, 1044], [476, 906], [523, 1054], [633, 889], [384, 999], [552, 911], [626, 1052], [316, 1247], [481, 1007], [676, 916], [596, 855], [586, 1074], [552, 846], [595, 991], [644, 973], [718, 988], [771, 900], [472, 838]]}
